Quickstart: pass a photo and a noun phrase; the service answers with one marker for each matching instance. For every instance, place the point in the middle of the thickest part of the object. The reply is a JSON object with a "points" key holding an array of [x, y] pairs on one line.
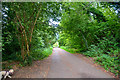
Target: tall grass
{"points": [[41, 53], [71, 50]]}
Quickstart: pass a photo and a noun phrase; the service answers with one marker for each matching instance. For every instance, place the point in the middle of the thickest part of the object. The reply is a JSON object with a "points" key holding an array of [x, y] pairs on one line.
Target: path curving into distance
{"points": [[61, 64]]}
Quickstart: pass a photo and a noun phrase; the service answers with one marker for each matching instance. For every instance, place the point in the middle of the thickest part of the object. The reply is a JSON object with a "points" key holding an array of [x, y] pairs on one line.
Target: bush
{"points": [[38, 54], [109, 63], [107, 45], [47, 51], [93, 51], [42, 53], [28, 60], [106, 53], [69, 49]]}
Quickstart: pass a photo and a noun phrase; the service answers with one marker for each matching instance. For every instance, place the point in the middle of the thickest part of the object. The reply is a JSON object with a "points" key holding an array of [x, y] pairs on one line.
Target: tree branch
{"points": [[34, 26]]}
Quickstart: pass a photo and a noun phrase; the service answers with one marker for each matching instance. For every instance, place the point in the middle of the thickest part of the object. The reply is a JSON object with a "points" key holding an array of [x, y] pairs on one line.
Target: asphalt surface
{"points": [[61, 64]]}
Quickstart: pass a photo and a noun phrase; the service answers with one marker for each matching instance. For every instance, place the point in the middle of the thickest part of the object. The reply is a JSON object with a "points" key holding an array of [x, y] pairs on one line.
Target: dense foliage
{"points": [[92, 29], [26, 32]]}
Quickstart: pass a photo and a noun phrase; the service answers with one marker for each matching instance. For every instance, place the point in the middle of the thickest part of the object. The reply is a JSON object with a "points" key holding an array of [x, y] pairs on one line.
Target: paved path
{"points": [[61, 64]]}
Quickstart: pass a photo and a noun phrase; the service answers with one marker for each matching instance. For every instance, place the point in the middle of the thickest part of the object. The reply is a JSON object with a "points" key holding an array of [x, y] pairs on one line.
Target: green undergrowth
{"points": [[71, 50], [109, 62], [106, 53], [38, 54]]}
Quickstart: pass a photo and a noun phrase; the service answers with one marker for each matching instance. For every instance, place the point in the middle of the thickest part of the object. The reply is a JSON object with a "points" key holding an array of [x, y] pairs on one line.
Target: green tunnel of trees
{"points": [[90, 28]]}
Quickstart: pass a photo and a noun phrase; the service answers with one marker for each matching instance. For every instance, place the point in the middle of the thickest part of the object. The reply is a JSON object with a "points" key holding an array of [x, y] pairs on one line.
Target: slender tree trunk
{"points": [[22, 46], [86, 44], [31, 32], [25, 44], [22, 50], [25, 36], [21, 41]]}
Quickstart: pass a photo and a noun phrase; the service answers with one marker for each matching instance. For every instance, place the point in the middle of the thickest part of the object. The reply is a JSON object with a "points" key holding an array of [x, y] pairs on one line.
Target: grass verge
{"points": [[71, 50]]}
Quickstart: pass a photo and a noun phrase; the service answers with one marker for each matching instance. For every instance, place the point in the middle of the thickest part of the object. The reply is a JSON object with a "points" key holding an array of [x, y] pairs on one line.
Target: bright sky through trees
{"points": [[53, 22]]}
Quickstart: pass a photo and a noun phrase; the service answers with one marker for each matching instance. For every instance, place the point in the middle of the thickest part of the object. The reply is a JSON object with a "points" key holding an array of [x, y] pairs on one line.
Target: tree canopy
{"points": [[26, 27], [92, 29]]}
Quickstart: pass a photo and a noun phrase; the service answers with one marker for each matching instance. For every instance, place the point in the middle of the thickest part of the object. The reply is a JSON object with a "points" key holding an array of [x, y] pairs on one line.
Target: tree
{"points": [[26, 20]]}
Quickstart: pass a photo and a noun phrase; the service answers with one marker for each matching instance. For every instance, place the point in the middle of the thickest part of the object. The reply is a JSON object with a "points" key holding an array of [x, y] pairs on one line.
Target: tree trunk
{"points": [[25, 48], [31, 32], [84, 39], [23, 32], [22, 47]]}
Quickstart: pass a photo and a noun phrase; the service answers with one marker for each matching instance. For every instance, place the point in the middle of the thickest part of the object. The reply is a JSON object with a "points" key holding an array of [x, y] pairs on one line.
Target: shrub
{"points": [[109, 63], [69, 49], [28, 60], [93, 51], [47, 51], [106, 53], [42, 53]]}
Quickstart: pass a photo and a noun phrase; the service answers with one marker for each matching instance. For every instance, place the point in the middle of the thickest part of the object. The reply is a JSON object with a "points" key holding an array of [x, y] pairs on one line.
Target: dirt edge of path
{"points": [[90, 60]]}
